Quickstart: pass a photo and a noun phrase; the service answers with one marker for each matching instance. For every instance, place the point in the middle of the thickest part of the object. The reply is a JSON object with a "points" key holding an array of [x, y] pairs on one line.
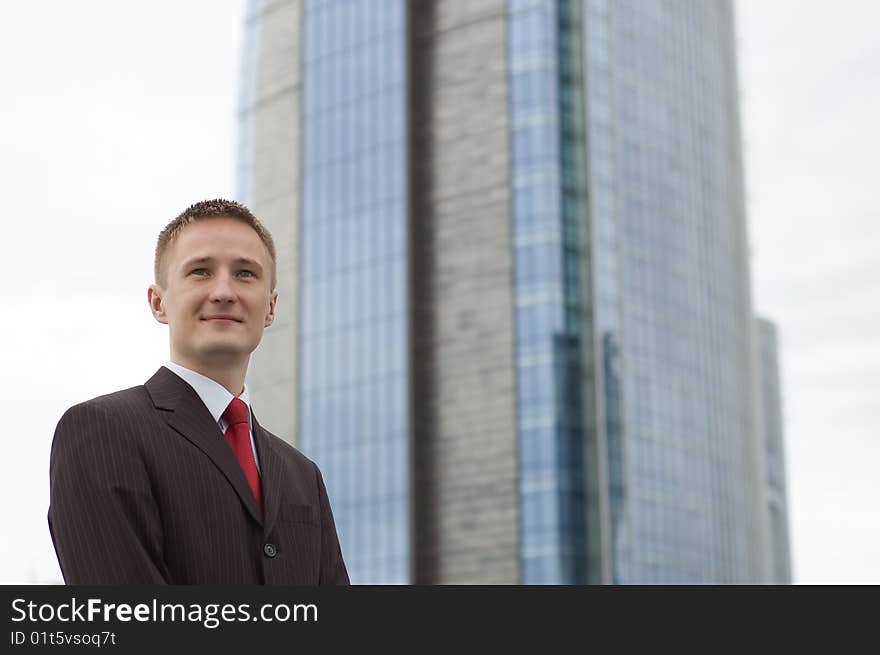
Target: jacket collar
{"points": [[272, 472], [185, 412]]}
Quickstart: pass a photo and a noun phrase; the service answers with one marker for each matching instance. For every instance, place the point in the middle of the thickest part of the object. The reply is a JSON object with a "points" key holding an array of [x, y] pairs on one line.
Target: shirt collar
{"points": [[215, 396]]}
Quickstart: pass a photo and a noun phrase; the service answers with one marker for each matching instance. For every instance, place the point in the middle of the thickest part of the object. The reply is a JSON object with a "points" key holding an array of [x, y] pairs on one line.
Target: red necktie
{"points": [[239, 438]]}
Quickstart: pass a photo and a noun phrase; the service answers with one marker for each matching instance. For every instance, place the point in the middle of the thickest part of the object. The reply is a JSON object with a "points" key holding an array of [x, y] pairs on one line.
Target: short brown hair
{"points": [[208, 209]]}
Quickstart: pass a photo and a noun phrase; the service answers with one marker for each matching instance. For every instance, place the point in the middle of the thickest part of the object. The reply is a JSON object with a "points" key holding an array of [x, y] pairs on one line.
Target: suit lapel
{"points": [[271, 474], [186, 414]]}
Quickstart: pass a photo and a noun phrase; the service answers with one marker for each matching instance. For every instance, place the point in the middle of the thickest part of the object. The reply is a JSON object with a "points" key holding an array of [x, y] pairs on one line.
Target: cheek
{"points": [[183, 316]]}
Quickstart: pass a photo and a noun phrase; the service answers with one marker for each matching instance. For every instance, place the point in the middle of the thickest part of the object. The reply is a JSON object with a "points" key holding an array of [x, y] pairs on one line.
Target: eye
{"points": [[247, 273], [198, 271]]}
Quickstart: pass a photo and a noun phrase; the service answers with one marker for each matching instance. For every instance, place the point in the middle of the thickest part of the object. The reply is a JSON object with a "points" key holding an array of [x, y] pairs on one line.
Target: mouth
{"points": [[221, 319]]}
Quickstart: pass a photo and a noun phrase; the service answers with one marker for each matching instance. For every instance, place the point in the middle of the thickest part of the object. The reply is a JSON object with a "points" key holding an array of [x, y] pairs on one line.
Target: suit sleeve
{"points": [[103, 519], [333, 570]]}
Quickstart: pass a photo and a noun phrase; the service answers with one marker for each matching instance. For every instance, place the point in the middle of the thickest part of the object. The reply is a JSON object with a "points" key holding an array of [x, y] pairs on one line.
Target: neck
{"points": [[228, 374]]}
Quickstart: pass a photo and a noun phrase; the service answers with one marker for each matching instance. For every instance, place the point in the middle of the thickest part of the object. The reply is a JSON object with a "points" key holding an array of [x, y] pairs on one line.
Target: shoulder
{"points": [[100, 439], [287, 451], [305, 472], [104, 418], [118, 404], [307, 469]]}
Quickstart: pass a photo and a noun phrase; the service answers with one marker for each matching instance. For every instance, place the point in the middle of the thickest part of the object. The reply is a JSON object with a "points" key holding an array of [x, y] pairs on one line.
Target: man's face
{"points": [[218, 296]]}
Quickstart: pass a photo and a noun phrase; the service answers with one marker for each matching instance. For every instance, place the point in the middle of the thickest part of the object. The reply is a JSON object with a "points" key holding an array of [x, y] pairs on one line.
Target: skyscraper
{"points": [[515, 326], [777, 496]]}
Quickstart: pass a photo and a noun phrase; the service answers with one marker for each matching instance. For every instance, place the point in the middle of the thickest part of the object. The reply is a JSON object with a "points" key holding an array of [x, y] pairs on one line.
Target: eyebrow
{"points": [[206, 260]]}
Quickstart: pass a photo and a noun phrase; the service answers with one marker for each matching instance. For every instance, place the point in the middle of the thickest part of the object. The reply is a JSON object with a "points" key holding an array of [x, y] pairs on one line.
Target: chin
{"points": [[227, 348], [221, 349]]}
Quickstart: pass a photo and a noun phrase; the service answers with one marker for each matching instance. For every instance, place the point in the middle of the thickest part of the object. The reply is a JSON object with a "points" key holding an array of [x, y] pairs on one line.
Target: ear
{"points": [[154, 297], [270, 315]]}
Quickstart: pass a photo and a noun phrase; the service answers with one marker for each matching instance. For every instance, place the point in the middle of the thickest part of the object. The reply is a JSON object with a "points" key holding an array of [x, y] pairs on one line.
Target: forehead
{"points": [[218, 237]]}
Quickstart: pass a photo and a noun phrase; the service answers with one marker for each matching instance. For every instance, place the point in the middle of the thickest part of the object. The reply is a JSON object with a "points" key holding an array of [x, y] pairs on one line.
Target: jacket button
{"points": [[269, 550]]}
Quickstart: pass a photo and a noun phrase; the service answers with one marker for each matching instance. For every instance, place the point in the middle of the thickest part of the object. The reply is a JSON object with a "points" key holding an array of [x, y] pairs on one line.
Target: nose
{"points": [[222, 289]]}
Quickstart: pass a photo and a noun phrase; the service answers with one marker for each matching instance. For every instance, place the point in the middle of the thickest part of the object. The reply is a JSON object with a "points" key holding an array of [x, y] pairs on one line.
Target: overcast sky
{"points": [[116, 116], [810, 80]]}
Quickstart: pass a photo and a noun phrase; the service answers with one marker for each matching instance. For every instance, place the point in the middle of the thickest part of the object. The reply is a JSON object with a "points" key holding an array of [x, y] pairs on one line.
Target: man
{"points": [[174, 481]]}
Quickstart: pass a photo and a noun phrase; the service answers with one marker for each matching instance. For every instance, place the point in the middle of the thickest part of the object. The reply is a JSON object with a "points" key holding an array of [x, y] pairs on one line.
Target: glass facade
{"points": [[546, 210], [353, 387], [672, 299], [634, 358]]}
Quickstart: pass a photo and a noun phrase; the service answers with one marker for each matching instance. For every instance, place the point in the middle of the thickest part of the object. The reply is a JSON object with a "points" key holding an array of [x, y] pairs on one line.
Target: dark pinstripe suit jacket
{"points": [[145, 489]]}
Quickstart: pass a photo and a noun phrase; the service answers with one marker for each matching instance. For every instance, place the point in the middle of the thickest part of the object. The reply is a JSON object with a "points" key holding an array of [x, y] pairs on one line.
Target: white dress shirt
{"points": [[216, 398]]}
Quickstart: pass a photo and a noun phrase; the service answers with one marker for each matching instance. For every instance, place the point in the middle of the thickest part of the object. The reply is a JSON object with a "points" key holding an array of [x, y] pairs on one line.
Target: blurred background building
{"points": [[777, 497], [515, 326]]}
